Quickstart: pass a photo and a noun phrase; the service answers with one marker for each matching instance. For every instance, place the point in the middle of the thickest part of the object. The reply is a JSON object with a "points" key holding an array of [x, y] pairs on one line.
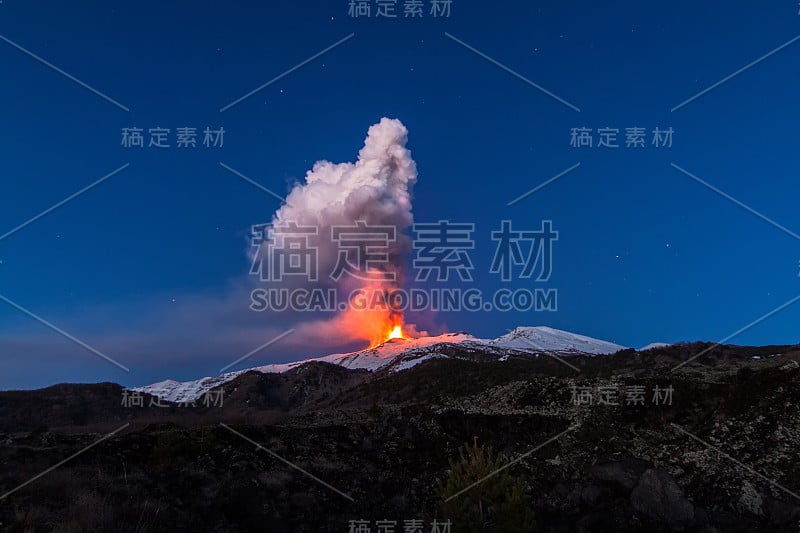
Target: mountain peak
{"points": [[549, 339], [401, 354]]}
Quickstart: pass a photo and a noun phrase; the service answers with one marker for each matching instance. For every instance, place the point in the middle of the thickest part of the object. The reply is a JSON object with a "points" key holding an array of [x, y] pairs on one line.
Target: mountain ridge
{"points": [[396, 355]]}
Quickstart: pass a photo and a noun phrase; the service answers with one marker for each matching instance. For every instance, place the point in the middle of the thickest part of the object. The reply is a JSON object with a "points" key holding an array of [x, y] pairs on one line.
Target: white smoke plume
{"points": [[376, 189]]}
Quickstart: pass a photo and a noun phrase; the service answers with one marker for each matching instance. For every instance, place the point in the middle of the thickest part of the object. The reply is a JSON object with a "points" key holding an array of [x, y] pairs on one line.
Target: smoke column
{"points": [[375, 189]]}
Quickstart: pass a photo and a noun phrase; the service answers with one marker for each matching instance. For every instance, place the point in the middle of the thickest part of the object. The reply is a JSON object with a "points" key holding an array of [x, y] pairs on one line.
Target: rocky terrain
{"points": [[621, 442]]}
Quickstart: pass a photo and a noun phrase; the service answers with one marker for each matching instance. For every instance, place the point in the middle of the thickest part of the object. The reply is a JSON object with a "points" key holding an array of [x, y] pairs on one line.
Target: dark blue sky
{"points": [[148, 266]]}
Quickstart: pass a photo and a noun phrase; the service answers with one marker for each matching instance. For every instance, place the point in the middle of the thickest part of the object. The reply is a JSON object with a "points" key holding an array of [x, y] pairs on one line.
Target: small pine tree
{"points": [[496, 503]]}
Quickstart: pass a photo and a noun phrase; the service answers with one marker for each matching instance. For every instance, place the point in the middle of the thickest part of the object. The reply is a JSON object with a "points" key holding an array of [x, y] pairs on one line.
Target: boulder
{"points": [[623, 474], [659, 498]]}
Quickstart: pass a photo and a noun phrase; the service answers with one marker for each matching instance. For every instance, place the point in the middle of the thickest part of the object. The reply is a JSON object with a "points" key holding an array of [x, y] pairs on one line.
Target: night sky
{"points": [[150, 266]]}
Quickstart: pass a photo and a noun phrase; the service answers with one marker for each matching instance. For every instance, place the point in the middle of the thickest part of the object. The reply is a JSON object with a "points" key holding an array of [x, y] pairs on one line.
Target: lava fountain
{"points": [[396, 333]]}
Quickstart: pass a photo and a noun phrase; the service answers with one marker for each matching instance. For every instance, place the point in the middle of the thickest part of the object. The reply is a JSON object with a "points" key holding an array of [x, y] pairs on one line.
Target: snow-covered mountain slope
{"points": [[187, 391], [401, 354], [546, 339], [654, 345], [379, 356]]}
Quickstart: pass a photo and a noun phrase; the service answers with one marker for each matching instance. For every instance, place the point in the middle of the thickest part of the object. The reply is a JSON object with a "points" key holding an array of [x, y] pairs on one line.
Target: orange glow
{"points": [[392, 329], [396, 333], [369, 316]]}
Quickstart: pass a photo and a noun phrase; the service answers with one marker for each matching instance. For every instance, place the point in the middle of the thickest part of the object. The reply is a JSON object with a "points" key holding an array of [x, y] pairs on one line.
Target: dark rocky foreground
{"points": [[722, 454]]}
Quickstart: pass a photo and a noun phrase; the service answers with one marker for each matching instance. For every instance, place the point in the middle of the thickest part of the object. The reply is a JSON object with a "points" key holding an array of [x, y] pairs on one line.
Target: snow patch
{"points": [[409, 363], [653, 346]]}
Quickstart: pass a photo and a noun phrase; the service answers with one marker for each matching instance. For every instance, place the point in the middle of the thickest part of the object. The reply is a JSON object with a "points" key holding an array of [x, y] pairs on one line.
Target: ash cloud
{"points": [[375, 190]]}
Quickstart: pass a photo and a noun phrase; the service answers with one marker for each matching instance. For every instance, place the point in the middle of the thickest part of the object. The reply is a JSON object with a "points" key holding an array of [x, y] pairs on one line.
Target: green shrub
{"points": [[494, 499]]}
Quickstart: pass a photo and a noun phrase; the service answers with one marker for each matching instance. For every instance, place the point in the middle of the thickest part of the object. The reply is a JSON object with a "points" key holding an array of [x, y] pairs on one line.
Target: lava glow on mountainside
{"points": [[392, 330]]}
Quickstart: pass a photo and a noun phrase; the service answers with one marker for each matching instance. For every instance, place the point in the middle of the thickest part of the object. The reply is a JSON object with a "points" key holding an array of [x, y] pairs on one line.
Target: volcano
{"points": [[398, 353]]}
